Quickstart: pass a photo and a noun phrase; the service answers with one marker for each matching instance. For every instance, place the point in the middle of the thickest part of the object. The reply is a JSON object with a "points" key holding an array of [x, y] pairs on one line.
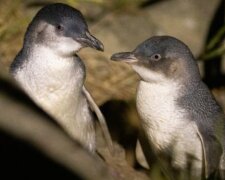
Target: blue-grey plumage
{"points": [[51, 73], [180, 118]]}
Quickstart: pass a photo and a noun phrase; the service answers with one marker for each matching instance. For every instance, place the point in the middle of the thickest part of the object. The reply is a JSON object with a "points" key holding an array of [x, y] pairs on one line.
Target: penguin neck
{"points": [[48, 67]]}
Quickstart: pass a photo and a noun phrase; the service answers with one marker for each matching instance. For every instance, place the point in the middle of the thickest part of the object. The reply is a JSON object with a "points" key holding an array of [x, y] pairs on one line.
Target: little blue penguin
{"points": [[52, 74], [182, 122]]}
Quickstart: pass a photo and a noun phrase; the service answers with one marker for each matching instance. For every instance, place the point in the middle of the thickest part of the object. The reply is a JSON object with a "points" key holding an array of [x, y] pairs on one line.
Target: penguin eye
{"points": [[155, 57], [59, 27]]}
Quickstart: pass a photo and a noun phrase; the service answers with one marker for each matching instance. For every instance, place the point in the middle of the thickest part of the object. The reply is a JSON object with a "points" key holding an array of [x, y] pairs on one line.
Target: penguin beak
{"points": [[90, 41], [127, 57]]}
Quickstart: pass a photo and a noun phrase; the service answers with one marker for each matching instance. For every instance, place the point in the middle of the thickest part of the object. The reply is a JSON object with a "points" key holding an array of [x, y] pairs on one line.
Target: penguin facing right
{"points": [[49, 70]]}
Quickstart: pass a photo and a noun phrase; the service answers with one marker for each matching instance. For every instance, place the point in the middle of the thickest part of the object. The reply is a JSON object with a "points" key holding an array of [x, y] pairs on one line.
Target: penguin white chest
{"points": [[51, 80], [55, 84], [161, 118]]}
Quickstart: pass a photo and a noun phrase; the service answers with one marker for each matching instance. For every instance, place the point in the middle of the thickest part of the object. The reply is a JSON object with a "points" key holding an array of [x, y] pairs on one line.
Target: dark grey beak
{"points": [[127, 57], [90, 41]]}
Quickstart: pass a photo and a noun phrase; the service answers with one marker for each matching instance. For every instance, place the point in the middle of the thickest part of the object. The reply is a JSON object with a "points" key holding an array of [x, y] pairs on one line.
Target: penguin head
{"points": [[62, 29], [161, 58]]}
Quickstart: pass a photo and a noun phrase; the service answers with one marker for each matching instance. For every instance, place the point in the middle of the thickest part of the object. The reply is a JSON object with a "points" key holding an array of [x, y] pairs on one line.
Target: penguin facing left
{"points": [[49, 70], [182, 123]]}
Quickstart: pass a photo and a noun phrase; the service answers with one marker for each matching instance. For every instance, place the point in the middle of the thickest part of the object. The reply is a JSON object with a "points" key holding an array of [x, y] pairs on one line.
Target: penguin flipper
{"points": [[101, 119], [212, 153]]}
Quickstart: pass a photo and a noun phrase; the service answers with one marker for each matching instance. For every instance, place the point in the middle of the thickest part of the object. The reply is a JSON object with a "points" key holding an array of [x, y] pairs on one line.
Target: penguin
{"points": [[49, 70], [181, 121]]}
